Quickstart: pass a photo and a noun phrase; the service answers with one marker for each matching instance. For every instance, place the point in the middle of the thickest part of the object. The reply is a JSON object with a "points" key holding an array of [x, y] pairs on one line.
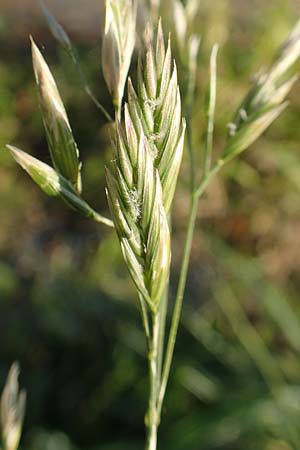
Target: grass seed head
{"points": [[54, 184], [118, 45], [266, 98], [136, 203], [155, 111], [62, 146], [183, 26]]}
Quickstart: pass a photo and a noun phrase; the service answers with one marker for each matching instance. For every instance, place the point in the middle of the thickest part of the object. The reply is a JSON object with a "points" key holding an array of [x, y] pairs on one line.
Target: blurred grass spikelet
{"points": [[13, 404], [135, 199], [155, 110], [265, 100], [118, 45], [188, 41], [184, 19], [54, 184], [62, 146]]}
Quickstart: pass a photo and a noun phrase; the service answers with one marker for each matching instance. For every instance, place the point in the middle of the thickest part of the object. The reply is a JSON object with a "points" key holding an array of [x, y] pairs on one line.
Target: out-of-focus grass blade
{"points": [[54, 184], [257, 349], [62, 146], [247, 334], [202, 329], [56, 29], [248, 272], [200, 385]]}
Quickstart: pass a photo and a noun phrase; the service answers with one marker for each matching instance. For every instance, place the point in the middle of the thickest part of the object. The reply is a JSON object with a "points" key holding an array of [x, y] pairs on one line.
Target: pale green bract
{"points": [[54, 184]]}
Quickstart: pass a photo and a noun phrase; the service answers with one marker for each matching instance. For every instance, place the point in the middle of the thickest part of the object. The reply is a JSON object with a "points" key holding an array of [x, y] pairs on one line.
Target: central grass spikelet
{"points": [[118, 45], [155, 110], [135, 198]]}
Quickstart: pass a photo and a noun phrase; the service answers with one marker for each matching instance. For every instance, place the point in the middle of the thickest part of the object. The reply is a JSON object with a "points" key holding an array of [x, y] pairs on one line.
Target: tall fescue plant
{"points": [[147, 147]]}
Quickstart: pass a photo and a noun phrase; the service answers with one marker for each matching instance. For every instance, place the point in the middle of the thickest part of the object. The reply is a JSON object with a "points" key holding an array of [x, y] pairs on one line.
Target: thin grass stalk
{"points": [[178, 302], [191, 84], [189, 111], [162, 328], [208, 148], [195, 195], [87, 88]]}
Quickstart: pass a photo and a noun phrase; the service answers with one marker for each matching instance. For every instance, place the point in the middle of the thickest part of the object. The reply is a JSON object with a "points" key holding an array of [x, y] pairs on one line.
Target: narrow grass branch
{"points": [[189, 113], [87, 88], [178, 301], [182, 280], [152, 416], [211, 109]]}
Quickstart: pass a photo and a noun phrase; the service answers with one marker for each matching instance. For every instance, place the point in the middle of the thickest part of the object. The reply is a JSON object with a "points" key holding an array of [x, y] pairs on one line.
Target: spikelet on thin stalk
{"points": [[265, 100], [118, 45], [12, 410], [135, 199], [62, 146], [270, 88], [183, 18], [155, 111], [54, 184]]}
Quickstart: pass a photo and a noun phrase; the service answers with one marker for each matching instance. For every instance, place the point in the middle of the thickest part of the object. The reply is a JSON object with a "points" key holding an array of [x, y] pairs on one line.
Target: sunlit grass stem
{"points": [[196, 193]]}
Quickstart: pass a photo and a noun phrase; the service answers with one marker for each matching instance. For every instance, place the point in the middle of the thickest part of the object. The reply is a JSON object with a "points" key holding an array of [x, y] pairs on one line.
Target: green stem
{"points": [[145, 319], [178, 301], [101, 219], [195, 195], [187, 251], [190, 94], [208, 176], [208, 148], [182, 280], [152, 418], [162, 313]]}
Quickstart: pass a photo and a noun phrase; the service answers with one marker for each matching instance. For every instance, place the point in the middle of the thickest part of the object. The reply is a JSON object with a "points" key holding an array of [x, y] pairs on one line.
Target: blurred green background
{"points": [[67, 308]]}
